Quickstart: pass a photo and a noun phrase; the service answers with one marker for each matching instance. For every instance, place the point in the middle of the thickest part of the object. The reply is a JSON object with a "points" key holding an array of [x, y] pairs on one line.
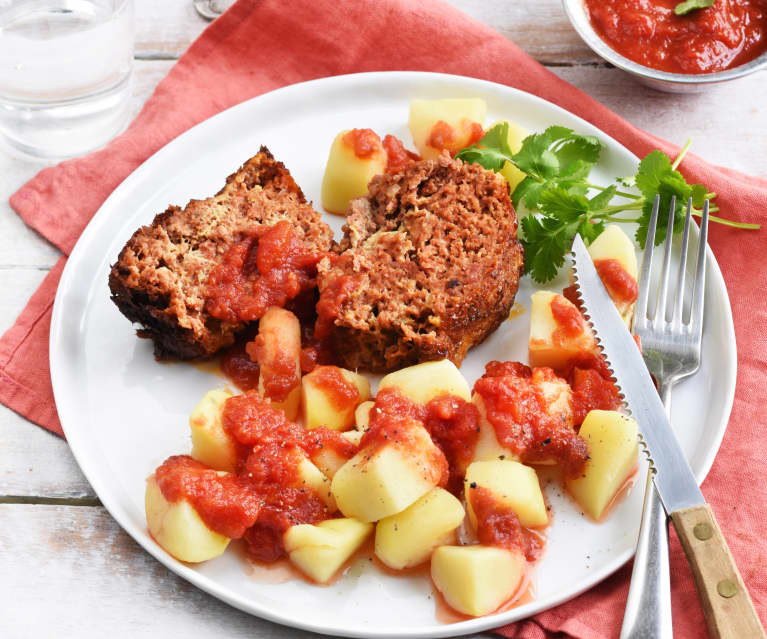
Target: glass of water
{"points": [[65, 71]]}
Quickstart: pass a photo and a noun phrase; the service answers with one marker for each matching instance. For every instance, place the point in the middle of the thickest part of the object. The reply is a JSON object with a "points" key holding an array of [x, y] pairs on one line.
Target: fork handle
{"points": [[728, 608], [648, 606]]}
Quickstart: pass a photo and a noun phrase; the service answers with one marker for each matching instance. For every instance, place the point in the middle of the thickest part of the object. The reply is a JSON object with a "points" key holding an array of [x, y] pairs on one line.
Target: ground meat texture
{"points": [[159, 278], [430, 264]]}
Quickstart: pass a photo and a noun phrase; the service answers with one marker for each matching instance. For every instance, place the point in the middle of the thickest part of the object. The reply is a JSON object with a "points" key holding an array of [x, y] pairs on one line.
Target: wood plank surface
{"points": [[75, 570]]}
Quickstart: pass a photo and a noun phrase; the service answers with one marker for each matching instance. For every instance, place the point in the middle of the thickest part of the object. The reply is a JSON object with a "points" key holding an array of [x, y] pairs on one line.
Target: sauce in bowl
{"points": [[725, 35]]}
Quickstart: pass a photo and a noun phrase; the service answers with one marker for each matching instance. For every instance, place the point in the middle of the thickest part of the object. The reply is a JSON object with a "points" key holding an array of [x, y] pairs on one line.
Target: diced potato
{"points": [[458, 114], [488, 447], [322, 406], [278, 341], [382, 480], [516, 135], [313, 479], [476, 580], [614, 244], [346, 175], [613, 443], [178, 528], [548, 346], [362, 415], [513, 485], [329, 461], [423, 382], [408, 538], [211, 444], [320, 550], [353, 436]]}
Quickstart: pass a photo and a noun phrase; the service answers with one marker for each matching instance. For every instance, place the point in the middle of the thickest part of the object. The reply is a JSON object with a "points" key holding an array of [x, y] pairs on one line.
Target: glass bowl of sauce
{"points": [[670, 52]]}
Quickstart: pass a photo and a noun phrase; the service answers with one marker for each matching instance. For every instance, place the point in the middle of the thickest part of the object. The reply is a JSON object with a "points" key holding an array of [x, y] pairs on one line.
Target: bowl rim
{"points": [[576, 13]]}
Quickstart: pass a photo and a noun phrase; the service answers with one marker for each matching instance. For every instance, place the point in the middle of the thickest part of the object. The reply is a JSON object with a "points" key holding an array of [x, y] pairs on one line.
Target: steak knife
{"points": [[726, 602]]}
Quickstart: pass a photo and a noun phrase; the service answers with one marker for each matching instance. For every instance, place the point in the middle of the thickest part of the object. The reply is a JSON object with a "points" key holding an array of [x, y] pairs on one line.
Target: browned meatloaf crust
{"points": [[159, 278], [433, 255]]}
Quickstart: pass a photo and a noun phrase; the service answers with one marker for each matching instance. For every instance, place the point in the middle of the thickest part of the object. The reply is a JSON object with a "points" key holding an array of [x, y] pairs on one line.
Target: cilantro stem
{"points": [[623, 220], [733, 224], [681, 155], [632, 196]]}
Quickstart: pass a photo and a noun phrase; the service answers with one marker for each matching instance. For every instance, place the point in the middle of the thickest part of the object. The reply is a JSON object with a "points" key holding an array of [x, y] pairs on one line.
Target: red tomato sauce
{"points": [[340, 391], [329, 305], [569, 320], [281, 376], [225, 503], [498, 525], [618, 281], [397, 156], [443, 135], [517, 410], [726, 35], [365, 142], [453, 424], [592, 391], [259, 272], [393, 420], [238, 367]]}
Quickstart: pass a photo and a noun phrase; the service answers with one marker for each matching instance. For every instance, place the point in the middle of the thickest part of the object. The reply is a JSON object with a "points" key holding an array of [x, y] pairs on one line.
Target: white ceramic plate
{"points": [[124, 413]]}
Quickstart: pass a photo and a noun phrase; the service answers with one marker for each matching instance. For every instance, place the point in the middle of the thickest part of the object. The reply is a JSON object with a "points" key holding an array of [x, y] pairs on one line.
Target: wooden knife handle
{"points": [[729, 611]]}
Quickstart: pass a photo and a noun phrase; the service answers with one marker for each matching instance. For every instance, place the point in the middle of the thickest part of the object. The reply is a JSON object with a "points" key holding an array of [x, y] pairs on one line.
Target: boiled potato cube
{"points": [[328, 460], [488, 447], [320, 550], [211, 444], [177, 527], [549, 345], [324, 405], [347, 175], [423, 382], [513, 485], [455, 120], [408, 538], [476, 580], [614, 244], [313, 479], [362, 415], [353, 436], [279, 341], [516, 135], [384, 479], [613, 443]]}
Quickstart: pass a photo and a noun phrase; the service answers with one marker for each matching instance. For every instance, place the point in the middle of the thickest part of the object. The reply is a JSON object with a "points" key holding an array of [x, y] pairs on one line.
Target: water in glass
{"points": [[65, 69]]}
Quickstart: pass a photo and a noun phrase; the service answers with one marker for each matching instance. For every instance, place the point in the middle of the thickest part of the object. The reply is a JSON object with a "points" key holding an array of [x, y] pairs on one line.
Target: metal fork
{"points": [[671, 349]]}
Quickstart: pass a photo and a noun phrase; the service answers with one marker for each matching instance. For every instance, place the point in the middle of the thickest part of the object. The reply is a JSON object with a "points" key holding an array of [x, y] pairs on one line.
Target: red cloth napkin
{"points": [[261, 45]]}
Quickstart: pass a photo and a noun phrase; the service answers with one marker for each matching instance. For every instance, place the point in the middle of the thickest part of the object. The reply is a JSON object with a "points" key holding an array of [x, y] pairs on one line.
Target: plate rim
{"points": [[57, 364]]}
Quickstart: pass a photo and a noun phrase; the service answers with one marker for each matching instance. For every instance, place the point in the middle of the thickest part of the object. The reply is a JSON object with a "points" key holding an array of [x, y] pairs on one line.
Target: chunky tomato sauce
{"points": [[281, 375], [619, 283], [258, 272], [397, 156], [365, 143], [339, 390], [518, 410], [725, 35], [331, 300], [444, 136], [570, 322], [225, 503], [498, 525]]}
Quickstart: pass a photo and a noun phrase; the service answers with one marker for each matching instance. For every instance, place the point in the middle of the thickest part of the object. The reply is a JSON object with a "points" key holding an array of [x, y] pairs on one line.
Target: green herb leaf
{"points": [[491, 151], [683, 8]]}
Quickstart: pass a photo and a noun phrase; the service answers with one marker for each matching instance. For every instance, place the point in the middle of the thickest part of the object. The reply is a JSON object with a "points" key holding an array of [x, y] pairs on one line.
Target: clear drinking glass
{"points": [[65, 71]]}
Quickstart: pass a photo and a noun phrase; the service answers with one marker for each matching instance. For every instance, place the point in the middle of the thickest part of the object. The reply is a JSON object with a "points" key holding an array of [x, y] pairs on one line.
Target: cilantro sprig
{"points": [[562, 201]]}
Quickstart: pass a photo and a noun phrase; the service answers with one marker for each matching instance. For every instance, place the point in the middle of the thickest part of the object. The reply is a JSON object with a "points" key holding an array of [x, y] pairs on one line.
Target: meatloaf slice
{"points": [[430, 267], [160, 275]]}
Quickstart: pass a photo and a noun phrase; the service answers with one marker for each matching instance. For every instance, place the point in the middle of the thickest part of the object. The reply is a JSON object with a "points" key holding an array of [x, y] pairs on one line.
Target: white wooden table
{"points": [[65, 565]]}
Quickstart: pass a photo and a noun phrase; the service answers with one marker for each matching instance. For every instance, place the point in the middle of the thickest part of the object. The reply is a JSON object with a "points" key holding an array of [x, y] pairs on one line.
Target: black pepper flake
{"points": [[473, 484], [546, 441]]}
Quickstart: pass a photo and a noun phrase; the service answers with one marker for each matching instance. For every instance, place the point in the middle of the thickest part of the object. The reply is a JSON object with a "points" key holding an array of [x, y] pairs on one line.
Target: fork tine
{"points": [[696, 314], [640, 310], [676, 318], [660, 307]]}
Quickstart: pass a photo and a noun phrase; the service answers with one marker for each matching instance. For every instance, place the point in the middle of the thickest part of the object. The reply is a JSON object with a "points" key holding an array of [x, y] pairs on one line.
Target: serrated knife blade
{"points": [[673, 477]]}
